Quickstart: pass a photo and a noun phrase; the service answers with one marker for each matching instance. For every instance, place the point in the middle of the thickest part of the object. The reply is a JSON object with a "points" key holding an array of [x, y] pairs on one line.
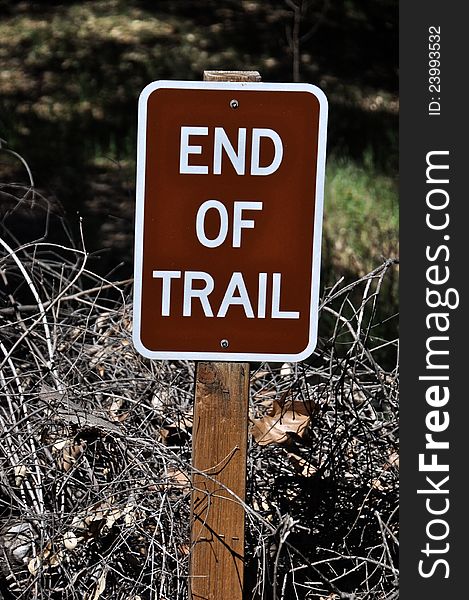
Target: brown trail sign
{"points": [[230, 176], [228, 223]]}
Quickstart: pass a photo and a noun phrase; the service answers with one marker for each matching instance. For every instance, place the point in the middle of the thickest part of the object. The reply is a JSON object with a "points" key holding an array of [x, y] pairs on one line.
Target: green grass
{"points": [[361, 217]]}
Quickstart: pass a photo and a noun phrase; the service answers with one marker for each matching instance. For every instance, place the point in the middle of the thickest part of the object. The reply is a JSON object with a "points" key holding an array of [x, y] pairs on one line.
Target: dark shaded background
{"points": [[71, 73]]}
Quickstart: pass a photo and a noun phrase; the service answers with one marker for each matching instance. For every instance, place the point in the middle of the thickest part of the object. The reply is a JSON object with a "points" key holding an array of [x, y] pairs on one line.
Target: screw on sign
{"points": [[228, 226]]}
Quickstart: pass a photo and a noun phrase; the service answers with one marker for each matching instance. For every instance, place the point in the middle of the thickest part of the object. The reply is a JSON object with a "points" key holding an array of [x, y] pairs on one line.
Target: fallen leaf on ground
{"points": [[394, 459], [178, 479], [301, 465], [377, 485], [100, 587], [286, 417]]}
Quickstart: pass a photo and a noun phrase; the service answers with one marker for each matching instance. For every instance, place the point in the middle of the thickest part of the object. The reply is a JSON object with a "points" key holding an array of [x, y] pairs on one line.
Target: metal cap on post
{"points": [[232, 76]]}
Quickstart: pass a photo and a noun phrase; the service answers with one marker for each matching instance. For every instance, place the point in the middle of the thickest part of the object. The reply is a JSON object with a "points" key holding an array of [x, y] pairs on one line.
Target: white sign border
{"points": [[139, 219]]}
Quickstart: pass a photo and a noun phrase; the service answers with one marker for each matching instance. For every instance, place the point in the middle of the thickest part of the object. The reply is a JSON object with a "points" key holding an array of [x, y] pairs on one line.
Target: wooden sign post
{"points": [[219, 447], [230, 176], [219, 440]]}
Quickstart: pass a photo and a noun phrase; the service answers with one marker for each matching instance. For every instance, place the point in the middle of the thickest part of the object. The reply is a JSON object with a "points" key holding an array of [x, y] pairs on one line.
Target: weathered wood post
{"points": [[219, 444], [219, 451]]}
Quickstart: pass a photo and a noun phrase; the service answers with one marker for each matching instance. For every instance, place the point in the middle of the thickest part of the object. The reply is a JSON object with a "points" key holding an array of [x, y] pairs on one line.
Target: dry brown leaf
{"points": [[304, 467], [70, 454], [130, 517], [286, 370], [112, 516], [20, 473], [103, 515], [114, 409], [184, 549], [60, 444], [34, 565], [269, 396], [258, 375], [262, 506], [178, 479], [173, 432], [394, 459], [56, 559], [285, 418], [100, 587], [70, 540], [165, 433], [45, 560], [377, 485]]}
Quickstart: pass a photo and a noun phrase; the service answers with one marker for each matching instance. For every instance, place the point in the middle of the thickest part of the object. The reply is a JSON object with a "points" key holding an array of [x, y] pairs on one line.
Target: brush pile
{"points": [[96, 441]]}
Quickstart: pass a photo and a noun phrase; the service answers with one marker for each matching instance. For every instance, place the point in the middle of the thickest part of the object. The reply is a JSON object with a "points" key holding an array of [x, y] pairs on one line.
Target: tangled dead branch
{"points": [[95, 453]]}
